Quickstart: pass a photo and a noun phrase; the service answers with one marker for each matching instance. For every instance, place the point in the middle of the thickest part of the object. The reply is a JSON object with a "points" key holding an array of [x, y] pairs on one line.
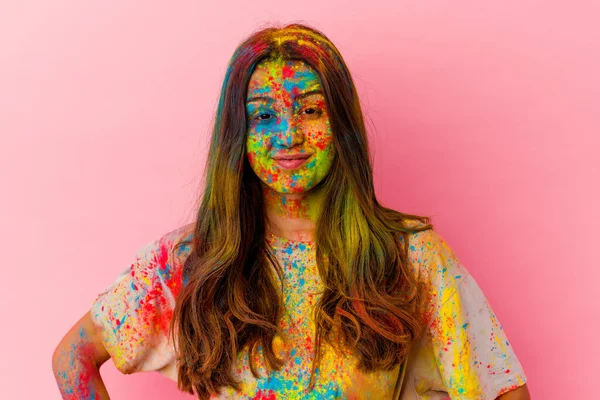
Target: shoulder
{"points": [[133, 315], [436, 266], [170, 240], [464, 336], [161, 261], [433, 258], [172, 246]]}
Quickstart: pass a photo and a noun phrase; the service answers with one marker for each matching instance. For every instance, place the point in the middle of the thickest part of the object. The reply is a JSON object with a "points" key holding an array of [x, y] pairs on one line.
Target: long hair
{"points": [[230, 298]]}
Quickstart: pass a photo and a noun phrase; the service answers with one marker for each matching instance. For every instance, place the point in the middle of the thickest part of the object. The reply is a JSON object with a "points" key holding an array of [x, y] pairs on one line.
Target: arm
{"points": [[471, 349], [128, 322], [76, 363], [520, 393]]}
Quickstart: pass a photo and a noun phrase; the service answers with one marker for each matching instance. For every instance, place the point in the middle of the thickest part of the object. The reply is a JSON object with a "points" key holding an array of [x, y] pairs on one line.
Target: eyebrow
{"points": [[299, 97]]}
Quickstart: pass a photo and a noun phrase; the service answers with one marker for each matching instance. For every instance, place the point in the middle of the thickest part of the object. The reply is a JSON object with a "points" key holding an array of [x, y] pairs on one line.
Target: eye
{"points": [[264, 117], [311, 111]]}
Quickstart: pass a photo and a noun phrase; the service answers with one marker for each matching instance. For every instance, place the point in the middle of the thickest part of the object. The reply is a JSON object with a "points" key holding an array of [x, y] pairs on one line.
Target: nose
{"points": [[288, 134]]}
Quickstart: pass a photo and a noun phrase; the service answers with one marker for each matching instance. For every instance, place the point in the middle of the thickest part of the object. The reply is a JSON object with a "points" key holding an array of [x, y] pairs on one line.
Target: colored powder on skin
{"points": [[76, 381], [291, 127]]}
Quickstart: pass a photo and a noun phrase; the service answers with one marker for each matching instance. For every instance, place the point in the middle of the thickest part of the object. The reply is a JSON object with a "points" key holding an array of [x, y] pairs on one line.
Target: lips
{"points": [[291, 161]]}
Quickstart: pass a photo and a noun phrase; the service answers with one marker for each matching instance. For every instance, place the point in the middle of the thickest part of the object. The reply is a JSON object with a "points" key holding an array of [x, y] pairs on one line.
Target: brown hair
{"points": [[230, 299]]}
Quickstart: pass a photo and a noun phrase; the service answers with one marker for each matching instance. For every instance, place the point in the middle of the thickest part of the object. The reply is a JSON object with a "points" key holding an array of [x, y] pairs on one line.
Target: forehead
{"points": [[272, 76]]}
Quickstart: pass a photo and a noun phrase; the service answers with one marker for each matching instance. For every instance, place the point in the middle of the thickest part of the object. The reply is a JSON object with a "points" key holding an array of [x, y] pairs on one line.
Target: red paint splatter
{"points": [[265, 395], [287, 72], [508, 389], [257, 48], [85, 371]]}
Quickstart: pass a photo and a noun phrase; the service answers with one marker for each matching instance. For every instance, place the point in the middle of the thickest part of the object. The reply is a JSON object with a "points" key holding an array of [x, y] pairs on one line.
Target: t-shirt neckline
{"points": [[271, 237]]}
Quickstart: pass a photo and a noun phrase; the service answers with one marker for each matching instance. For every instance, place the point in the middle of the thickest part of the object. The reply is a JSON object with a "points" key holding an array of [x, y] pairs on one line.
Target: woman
{"points": [[294, 282]]}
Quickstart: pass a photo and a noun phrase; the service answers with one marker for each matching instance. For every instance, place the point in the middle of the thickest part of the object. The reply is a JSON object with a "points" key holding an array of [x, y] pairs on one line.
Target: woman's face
{"points": [[289, 140]]}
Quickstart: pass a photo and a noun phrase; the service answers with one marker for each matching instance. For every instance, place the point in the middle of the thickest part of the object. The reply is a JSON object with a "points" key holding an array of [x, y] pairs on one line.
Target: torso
{"points": [[337, 376]]}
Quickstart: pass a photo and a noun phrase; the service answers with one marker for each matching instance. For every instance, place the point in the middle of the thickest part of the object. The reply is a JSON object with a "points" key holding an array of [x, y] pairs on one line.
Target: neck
{"points": [[292, 215]]}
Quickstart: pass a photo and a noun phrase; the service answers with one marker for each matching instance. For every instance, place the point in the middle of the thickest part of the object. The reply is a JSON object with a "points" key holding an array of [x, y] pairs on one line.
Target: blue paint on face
{"points": [[287, 115]]}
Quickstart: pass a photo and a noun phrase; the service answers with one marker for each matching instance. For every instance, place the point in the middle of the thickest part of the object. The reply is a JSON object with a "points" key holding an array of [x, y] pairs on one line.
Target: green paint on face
{"points": [[289, 140]]}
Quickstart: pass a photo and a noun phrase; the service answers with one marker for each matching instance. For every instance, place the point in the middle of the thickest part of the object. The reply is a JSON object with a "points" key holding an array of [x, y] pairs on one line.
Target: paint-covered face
{"points": [[289, 140]]}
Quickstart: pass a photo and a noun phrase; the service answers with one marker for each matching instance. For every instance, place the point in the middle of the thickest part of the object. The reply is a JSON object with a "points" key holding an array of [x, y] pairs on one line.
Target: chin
{"points": [[280, 188], [290, 190]]}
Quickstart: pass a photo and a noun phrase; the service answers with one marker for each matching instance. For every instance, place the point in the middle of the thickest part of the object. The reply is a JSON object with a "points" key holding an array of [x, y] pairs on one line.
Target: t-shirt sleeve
{"points": [[471, 350], [133, 315]]}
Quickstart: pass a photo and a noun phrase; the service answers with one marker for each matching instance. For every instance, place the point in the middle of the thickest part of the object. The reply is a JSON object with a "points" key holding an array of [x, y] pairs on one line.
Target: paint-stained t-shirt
{"points": [[464, 353]]}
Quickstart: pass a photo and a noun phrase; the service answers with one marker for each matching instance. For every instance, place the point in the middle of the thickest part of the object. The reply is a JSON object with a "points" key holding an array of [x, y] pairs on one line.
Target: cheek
{"points": [[320, 137], [256, 151], [260, 139]]}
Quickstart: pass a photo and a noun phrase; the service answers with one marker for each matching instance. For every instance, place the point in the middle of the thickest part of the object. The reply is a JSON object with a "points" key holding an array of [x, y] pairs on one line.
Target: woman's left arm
{"points": [[521, 393], [471, 349]]}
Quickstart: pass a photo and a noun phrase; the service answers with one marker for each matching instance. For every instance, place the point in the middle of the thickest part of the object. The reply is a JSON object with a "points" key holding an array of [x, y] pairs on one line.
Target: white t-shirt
{"points": [[464, 354]]}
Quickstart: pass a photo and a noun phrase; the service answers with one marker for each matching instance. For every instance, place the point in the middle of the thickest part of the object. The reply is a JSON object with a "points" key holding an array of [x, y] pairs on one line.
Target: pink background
{"points": [[484, 115]]}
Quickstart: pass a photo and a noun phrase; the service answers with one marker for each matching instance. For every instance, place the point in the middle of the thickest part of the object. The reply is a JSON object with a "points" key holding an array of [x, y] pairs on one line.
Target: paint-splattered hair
{"points": [[230, 299]]}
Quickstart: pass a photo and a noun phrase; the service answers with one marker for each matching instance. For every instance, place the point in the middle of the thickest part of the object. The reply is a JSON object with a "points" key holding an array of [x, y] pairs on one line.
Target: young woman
{"points": [[295, 282]]}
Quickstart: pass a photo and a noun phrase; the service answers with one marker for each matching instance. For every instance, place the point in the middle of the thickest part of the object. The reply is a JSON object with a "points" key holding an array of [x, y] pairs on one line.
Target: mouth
{"points": [[291, 161]]}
